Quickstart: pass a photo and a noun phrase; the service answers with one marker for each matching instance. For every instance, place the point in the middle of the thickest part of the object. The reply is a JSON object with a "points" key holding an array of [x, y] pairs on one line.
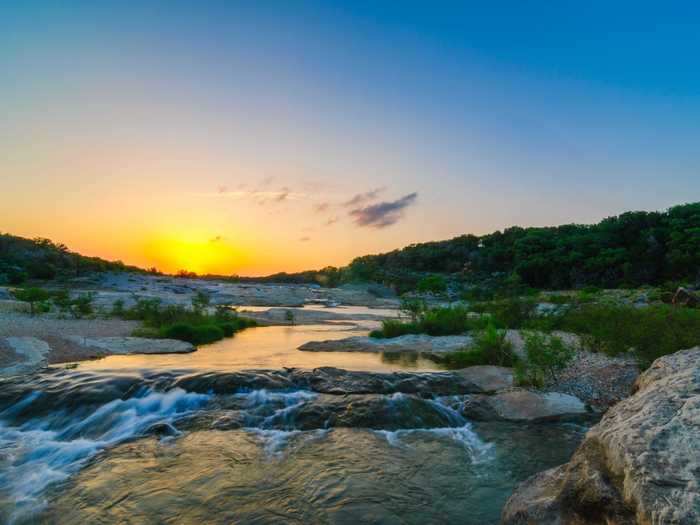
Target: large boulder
{"points": [[413, 343], [685, 297], [640, 464], [523, 406]]}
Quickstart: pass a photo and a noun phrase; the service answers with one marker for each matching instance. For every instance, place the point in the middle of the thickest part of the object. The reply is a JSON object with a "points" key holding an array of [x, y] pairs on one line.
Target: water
{"points": [[192, 439], [88, 447]]}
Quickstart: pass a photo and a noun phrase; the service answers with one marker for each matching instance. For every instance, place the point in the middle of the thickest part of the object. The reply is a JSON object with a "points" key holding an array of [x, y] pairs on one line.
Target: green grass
{"points": [[195, 326], [434, 321], [649, 332]]}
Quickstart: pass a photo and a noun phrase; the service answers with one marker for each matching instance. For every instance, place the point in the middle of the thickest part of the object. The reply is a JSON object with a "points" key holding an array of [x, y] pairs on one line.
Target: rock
{"points": [[406, 343], [685, 297], [22, 355], [10, 305], [133, 345], [329, 380], [638, 465], [523, 406], [299, 316], [488, 378], [365, 411]]}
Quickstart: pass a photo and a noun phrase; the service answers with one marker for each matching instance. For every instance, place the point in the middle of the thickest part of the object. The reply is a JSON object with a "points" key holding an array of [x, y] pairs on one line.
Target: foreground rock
{"points": [[22, 355], [523, 406], [133, 345], [640, 464], [419, 343]]}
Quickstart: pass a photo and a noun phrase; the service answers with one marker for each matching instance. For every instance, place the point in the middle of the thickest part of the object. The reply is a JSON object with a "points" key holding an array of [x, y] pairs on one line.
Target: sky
{"points": [[253, 137]]}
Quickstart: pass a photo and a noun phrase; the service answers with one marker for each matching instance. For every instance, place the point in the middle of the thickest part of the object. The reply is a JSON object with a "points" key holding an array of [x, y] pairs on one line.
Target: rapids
{"points": [[252, 447]]}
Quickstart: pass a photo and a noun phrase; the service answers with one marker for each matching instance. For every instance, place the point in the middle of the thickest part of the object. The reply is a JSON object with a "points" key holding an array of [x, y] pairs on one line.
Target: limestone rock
{"points": [[412, 343], [524, 406], [22, 355], [133, 345], [640, 464]]}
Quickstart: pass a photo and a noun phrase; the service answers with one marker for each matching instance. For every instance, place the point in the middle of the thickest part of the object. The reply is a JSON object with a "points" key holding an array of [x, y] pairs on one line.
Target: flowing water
{"points": [[186, 439]]}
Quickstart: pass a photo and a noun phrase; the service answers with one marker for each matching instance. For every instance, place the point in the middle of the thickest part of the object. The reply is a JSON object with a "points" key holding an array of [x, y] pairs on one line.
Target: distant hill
{"points": [[22, 259], [631, 249]]}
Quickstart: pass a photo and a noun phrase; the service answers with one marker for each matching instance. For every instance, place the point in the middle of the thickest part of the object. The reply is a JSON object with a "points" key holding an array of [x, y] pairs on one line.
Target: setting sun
{"points": [[214, 255]]}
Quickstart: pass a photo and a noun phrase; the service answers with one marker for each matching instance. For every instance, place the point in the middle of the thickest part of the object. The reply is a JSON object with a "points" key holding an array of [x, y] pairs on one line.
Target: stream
{"points": [[193, 439]]}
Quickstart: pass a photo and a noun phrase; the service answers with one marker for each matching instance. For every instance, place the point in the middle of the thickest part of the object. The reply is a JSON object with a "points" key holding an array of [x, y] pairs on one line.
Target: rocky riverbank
{"points": [[638, 465]]}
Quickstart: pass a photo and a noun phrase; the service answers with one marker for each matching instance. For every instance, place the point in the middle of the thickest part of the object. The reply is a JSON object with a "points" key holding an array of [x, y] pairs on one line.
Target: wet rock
{"points": [[234, 382], [133, 345], [368, 411], [638, 465], [329, 380], [414, 343], [523, 405], [162, 430]]}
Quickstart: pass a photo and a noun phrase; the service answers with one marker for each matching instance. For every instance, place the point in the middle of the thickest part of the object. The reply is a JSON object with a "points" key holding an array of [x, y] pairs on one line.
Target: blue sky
{"points": [[493, 114]]}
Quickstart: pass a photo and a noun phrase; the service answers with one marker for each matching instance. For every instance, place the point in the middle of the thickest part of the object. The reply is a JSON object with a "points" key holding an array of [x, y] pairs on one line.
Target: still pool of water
{"points": [[269, 347]]}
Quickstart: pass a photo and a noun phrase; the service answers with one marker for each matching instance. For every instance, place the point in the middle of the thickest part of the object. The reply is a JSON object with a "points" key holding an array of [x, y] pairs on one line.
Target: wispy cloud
{"points": [[383, 214], [216, 239], [363, 198], [331, 221], [321, 207], [304, 239]]}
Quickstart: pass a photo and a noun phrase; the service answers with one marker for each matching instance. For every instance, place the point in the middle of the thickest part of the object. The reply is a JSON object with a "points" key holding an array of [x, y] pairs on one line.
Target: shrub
{"points": [[648, 332], [41, 270], [413, 308], [434, 321], [34, 296], [490, 348], [78, 307], [200, 301], [545, 355], [509, 313]]}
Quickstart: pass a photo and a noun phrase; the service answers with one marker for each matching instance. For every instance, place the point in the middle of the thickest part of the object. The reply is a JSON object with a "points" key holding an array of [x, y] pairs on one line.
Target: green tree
{"points": [[32, 296]]}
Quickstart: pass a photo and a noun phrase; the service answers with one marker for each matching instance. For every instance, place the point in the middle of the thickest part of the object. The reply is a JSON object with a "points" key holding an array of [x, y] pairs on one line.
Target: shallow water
{"points": [[270, 347], [85, 447], [188, 439]]}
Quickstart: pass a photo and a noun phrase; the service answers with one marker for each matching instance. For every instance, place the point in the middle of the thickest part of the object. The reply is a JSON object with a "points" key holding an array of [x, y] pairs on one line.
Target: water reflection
{"points": [[270, 347]]}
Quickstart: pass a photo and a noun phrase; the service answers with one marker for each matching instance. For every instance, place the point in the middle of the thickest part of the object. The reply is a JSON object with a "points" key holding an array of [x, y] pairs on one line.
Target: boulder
{"points": [[638, 465], [22, 355], [685, 297], [523, 406], [133, 345], [413, 343]]}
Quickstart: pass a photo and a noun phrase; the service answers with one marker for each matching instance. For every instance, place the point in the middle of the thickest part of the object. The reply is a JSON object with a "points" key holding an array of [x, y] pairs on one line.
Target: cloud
{"points": [[304, 239], [216, 239], [282, 195], [331, 221], [321, 207], [362, 198], [383, 214]]}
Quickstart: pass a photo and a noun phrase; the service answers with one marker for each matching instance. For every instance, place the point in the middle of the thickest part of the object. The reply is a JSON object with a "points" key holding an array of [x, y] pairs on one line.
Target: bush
{"points": [[34, 296], [433, 321], [177, 322], [509, 313], [41, 270], [490, 348], [648, 332], [435, 284], [78, 307], [545, 355]]}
